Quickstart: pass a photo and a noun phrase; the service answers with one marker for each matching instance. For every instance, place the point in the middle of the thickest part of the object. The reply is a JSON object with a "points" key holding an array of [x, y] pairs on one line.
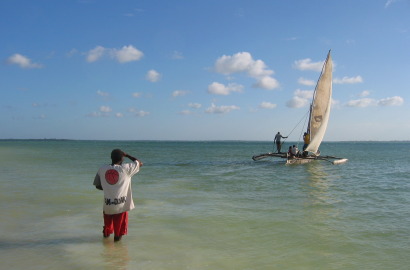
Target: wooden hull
{"points": [[300, 160], [297, 160]]}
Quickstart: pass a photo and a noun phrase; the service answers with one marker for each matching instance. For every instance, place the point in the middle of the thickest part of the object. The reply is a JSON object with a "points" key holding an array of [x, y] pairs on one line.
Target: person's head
{"points": [[305, 133], [278, 132], [117, 156], [294, 145]]}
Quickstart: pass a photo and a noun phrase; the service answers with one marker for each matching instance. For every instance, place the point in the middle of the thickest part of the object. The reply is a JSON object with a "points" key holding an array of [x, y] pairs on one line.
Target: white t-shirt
{"points": [[116, 183]]}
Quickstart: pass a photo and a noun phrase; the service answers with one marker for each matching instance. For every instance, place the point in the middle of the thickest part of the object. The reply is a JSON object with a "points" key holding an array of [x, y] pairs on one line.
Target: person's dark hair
{"points": [[116, 155]]}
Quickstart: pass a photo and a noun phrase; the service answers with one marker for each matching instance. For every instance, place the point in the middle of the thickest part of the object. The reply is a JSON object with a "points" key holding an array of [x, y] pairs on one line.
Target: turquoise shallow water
{"points": [[207, 205]]}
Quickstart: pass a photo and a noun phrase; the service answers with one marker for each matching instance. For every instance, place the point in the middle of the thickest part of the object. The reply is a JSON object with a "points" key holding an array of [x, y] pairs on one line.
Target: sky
{"points": [[201, 69]]}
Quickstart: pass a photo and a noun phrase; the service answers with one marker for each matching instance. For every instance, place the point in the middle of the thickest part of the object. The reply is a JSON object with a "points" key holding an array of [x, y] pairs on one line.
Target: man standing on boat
{"points": [[278, 142], [306, 141]]}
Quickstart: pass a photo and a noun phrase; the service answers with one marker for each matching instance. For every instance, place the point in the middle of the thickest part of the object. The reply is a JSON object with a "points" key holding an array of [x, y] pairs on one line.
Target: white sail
{"points": [[320, 108]]}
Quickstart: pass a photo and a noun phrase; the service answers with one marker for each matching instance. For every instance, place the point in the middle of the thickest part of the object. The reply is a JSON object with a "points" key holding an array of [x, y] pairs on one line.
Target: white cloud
{"points": [[95, 54], [123, 55], [391, 101], [243, 62], [220, 89], [105, 109], [139, 113], [103, 94], [366, 102], [194, 105], [153, 76], [365, 93], [177, 55], [307, 64], [119, 115], [221, 109], [72, 52], [267, 105], [297, 102], [361, 103], [127, 54], [389, 2], [300, 99], [186, 112], [348, 80], [179, 93], [137, 94], [22, 61], [306, 82], [267, 83]]}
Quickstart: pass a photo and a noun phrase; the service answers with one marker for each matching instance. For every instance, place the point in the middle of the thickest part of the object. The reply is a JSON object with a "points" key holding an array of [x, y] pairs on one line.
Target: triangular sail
{"points": [[320, 108]]}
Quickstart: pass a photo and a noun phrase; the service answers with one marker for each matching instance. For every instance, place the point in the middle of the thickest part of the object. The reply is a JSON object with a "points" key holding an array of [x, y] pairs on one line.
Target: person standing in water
{"points": [[278, 142], [115, 181]]}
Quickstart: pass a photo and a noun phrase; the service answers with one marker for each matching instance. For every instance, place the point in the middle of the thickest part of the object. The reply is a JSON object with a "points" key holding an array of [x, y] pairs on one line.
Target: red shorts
{"points": [[117, 224]]}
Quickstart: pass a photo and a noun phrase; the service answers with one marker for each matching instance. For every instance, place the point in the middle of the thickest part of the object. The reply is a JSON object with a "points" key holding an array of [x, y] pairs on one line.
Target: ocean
{"points": [[206, 205]]}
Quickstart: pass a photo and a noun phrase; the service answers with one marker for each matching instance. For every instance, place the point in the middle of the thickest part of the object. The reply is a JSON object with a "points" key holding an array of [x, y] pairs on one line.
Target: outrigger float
{"points": [[318, 118]]}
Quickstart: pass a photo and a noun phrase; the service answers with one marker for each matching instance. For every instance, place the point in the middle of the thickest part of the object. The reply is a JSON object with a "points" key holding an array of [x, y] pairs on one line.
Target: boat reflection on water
{"points": [[323, 199]]}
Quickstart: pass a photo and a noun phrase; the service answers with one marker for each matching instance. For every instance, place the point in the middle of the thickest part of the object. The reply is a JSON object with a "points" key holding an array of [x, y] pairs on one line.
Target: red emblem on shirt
{"points": [[112, 176]]}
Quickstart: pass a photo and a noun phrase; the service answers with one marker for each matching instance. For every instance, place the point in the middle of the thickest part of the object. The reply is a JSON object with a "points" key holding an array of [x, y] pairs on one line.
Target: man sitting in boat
{"points": [[277, 141], [295, 151], [290, 155]]}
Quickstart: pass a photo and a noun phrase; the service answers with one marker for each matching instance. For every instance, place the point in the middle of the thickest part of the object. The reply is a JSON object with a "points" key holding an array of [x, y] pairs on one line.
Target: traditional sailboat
{"points": [[318, 118]]}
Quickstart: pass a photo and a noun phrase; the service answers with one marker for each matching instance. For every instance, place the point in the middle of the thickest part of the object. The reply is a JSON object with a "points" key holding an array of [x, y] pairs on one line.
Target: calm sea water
{"points": [[207, 205]]}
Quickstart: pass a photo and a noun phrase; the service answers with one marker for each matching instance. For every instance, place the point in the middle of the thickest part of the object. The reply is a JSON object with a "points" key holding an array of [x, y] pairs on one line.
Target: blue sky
{"points": [[201, 70]]}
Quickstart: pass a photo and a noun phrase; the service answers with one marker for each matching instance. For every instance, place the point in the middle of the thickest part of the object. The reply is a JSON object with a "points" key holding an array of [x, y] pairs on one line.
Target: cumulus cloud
{"points": [[365, 93], [179, 93], [127, 54], [186, 112], [306, 82], [177, 55], [391, 101], [243, 62], [216, 88], [102, 94], [103, 112], [137, 94], [307, 64], [348, 80], [95, 54], [366, 102], [119, 115], [123, 55], [361, 103], [300, 99], [389, 2], [22, 61], [139, 113], [105, 109], [267, 83], [194, 105], [153, 76], [221, 109], [267, 105]]}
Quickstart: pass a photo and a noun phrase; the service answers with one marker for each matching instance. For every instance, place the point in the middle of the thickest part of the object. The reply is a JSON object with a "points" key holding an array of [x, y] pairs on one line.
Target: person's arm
{"points": [[133, 159], [97, 182]]}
